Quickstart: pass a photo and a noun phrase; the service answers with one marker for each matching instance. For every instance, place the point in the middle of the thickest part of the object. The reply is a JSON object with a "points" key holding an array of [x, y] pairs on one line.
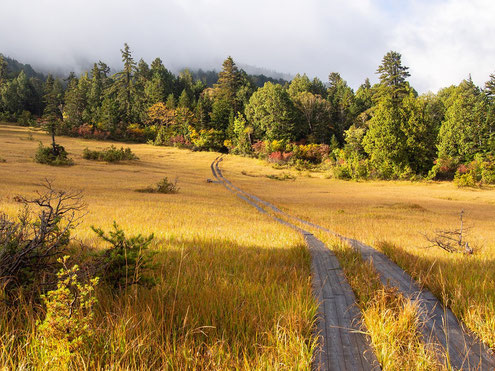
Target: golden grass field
{"points": [[393, 217], [234, 289]]}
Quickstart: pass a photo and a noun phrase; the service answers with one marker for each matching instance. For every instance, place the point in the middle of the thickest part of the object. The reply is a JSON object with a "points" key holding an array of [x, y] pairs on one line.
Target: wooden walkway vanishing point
{"points": [[342, 345]]}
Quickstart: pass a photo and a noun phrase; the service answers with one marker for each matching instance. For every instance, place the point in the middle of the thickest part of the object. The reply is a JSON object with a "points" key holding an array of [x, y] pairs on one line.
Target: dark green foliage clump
{"points": [[128, 261], [110, 154], [53, 155], [163, 186]]}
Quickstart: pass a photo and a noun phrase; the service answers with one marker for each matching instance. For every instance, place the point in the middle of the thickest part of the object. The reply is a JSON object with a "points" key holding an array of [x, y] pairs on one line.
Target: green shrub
{"points": [[110, 154], [342, 172], [25, 118], [163, 186], [127, 262], [444, 169], [67, 327], [283, 176], [465, 180], [57, 156]]}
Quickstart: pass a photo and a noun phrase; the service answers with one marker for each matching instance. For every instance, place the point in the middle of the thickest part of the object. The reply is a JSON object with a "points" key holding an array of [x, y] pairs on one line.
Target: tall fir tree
{"points": [[52, 113], [393, 75], [124, 85], [228, 84]]}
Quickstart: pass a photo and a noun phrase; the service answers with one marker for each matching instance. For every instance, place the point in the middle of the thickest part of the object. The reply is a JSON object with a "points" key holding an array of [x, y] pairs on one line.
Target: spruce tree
{"points": [[393, 75], [124, 85], [52, 113], [228, 84]]}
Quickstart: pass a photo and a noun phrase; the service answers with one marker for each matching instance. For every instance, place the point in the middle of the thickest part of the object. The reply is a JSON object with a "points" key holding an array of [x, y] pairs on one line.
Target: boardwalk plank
{"points": [[342, 345], [465, 350]]}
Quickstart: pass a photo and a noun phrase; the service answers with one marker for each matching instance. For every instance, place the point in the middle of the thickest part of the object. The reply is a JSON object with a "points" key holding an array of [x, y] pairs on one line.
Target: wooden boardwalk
{"points": [[342, 344], [442, 331]]}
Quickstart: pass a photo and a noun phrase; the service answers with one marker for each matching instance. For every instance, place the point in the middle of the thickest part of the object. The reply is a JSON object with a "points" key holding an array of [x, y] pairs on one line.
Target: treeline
{"points": [[384, 131]]}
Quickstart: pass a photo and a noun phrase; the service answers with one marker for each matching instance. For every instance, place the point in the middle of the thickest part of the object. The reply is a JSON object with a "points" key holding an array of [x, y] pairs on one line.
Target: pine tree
{"points": [[124, 84], [52, 113], [341, 98], [299, 84], [393, 75], [171, 104], [95, 94], [184, 100], [76, 111], [466, 129], [3, 71], [490, 88], [228, 84]]}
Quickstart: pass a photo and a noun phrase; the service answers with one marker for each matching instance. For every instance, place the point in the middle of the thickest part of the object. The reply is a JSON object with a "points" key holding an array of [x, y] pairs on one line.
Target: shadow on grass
{"points": [[248, 300]]}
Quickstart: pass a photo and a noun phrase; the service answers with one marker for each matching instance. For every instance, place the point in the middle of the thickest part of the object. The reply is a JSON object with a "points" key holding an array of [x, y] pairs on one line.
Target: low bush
{"points": [[481, 170], [49, 155], [283, 176], [68, 324], [465, 180], [210, 140], [88, 131], [127, 262], [444, 169], [163, 186], [110, 154], [25, 118], [31, 243]]}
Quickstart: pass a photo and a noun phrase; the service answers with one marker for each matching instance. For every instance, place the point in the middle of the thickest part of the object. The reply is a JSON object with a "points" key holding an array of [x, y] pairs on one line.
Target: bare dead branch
{"points": [[451, 240], [30, 245]]}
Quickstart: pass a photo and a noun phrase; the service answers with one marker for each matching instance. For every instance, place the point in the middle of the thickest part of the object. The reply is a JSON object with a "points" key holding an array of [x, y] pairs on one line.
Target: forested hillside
{"points": [[383, 131]]}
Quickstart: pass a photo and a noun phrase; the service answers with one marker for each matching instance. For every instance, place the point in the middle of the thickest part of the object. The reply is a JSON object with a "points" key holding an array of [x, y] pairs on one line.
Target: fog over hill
{"points": [[442, 41]]}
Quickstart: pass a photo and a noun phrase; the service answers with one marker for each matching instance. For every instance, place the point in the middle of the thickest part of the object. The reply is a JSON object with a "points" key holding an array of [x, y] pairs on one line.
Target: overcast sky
{"points": [[442, 41]]}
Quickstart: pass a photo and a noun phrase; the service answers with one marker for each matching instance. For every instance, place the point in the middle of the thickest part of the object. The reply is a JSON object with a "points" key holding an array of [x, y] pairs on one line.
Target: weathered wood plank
{"points": [[442, 331], [342, 346]]}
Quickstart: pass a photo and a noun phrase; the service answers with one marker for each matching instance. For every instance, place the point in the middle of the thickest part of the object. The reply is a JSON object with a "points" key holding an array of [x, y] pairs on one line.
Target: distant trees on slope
{"points": [[380, 131]]}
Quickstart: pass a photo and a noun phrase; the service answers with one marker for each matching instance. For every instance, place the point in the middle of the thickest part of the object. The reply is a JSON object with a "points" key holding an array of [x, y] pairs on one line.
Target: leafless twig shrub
{"points": [[451, 240], [31, 243]]}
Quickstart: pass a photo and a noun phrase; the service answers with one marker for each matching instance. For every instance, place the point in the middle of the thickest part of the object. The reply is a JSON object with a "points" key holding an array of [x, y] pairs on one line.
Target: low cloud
{"points": [[442, 41]]}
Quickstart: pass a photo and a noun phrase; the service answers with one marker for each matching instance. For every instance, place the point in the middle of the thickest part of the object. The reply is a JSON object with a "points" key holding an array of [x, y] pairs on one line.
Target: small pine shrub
{"points": [[110, 154], [163, 186], [67, 327], [127, 262], [50, 156]]}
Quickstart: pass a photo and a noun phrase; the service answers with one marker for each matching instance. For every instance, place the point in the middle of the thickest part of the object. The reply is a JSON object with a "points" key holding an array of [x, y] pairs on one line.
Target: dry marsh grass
{"points": [[233, 290], [393, 216], [391, 320]]}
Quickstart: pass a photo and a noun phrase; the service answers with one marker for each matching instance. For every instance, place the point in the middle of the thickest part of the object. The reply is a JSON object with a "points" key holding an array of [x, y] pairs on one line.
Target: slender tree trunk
{"points": [[54, 145]]}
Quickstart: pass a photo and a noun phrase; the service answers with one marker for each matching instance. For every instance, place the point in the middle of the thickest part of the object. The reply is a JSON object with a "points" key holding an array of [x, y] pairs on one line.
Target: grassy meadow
{"points": [[393, 217], [233, 290]]}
